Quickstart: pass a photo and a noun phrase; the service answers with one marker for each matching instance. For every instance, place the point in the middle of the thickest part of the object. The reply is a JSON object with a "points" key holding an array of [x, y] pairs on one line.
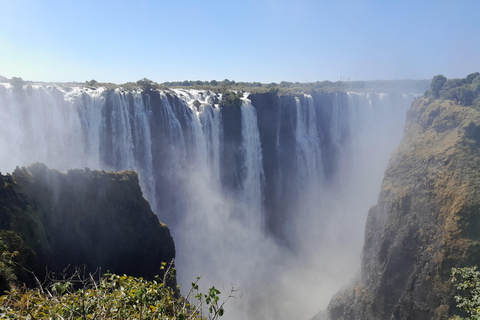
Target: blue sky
{"points": [[261, 40]]}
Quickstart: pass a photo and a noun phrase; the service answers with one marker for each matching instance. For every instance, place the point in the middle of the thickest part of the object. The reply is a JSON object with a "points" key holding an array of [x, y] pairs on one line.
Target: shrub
{"points": [[437, 85], [111, 296], [462, 91], [468, 281], [147, 84], [231, 99], [92, 83], [15, 257]]}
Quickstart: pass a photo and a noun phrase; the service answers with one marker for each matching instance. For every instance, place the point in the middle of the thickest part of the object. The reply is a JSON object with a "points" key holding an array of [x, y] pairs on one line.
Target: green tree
{"points": [[92, 83], [467, 280], [231, 99], [286, 84], [274, 90], [465, 96], [471, 77], [16, 257], [437, 85], [147, 84], [7, 265]]}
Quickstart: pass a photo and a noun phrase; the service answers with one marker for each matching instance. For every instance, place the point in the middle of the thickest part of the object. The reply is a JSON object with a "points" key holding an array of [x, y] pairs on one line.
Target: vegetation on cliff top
{"points": [[282, 88], [465, 92], [231, 99]]}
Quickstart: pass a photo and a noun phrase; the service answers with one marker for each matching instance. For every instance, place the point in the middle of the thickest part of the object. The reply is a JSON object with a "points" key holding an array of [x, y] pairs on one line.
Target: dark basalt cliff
{"points": [[94, 218], [426, 221]]}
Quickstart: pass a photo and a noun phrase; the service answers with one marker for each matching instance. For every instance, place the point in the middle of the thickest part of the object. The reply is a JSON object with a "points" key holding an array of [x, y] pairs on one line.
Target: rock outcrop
{"points": [[426, 221], [94, 218]]}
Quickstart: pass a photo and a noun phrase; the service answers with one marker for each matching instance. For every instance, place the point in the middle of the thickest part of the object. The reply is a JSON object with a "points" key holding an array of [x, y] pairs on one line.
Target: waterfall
{"points": [[253, 176], [142, 143], [308, 144], [121, 132], [271, 196], [211, 123]]}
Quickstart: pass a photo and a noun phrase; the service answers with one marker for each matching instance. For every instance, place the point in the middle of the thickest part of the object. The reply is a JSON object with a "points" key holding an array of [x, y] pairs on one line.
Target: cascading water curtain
{"points": [[319, 157]]}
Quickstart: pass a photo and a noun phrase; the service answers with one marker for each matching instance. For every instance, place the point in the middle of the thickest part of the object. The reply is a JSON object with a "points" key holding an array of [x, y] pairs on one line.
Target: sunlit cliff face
{"points": [[269, 195]]}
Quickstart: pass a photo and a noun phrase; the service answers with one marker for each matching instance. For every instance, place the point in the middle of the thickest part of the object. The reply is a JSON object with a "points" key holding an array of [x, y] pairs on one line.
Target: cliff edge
{"points": [[84, 217], [426, 221]]}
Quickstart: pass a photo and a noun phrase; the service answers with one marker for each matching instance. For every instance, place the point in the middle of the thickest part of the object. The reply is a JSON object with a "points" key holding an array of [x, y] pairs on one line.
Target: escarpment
{"points": [[426, 221], [88, 218]]}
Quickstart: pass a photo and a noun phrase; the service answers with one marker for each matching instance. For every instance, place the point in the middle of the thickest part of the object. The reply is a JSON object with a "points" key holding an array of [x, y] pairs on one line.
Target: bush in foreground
{"points": [[111, 296]]}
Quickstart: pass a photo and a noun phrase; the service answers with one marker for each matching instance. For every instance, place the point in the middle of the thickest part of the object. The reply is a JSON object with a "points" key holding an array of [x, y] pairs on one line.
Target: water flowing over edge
{"points": [[271, 197]]}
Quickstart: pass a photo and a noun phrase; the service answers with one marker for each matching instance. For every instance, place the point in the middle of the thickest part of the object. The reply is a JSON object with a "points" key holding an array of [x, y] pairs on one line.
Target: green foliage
{"points": [[231, 99], [92, 83], [147, 84], [437, 85], [7, 265], [465, 92], [15, 256], [285, 87], [468, 281], [111, 296], [294, 88], [274, 89]]}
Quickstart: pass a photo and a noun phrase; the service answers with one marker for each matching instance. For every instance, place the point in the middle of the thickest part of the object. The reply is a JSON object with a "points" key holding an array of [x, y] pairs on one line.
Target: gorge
{"points": [[426, 220], [269, 192]]}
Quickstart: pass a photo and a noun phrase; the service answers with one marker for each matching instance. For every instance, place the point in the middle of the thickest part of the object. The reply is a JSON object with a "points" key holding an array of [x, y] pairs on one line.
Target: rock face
{"points": [[426, 221], [94, 218]]}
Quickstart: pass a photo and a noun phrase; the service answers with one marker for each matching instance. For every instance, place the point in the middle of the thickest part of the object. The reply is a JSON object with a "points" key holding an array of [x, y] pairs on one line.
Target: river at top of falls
{"points": [[286, 230]]}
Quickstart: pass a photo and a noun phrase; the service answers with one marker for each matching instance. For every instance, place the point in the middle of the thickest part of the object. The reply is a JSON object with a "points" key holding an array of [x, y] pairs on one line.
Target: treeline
{"points": [[465, 92], [283, 87], [215, 83], [286, 87]]}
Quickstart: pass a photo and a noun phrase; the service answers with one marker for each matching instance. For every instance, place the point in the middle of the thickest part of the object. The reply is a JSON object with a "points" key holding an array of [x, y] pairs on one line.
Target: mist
{"points": [[286, 262], [294, 278]]}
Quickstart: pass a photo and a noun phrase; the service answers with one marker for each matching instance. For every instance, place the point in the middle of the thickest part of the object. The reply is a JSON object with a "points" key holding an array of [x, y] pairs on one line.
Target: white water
{"points": [[308, 142], [222, 235], [253, 176]]}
